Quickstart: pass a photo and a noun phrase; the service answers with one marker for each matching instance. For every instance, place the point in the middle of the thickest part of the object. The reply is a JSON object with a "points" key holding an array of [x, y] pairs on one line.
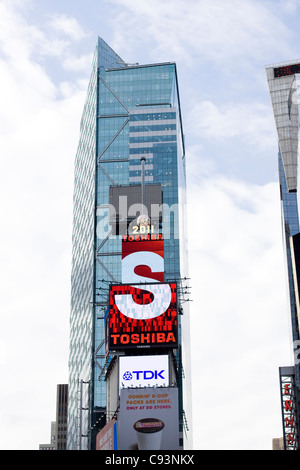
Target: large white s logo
{"points": [[161, 292]]}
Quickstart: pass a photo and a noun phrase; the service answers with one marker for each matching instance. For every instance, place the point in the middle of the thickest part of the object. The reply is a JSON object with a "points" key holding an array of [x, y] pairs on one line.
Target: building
{"points": [[52, 444], [59, 427], [129, 189], [61, 417], [277, 443], [283, 80]]}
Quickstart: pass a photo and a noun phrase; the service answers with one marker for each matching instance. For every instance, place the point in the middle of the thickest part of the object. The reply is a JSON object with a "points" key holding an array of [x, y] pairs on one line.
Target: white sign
{"points": [[143, 371], [148, 419]]}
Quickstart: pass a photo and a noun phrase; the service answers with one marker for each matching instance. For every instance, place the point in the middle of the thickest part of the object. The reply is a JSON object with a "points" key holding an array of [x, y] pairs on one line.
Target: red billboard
{"points": [[142, 260], [289, 407], [143, 316], [143, 309]]}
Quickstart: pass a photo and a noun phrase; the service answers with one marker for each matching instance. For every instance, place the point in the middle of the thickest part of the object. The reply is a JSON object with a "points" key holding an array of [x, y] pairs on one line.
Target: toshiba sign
{"points": [[142, 316], [143, 371], [143, 309]]}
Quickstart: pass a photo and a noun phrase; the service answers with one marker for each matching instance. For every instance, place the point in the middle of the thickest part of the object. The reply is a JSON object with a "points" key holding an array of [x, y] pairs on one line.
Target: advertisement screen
{"points": [[143, 371], [142, 261], [148, 419], [143, 316], [286, 70], [106, 439]]}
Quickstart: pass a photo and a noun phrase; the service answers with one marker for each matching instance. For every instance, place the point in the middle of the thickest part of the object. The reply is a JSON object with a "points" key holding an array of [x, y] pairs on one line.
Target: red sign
{"points": [[142, 316], [143, 310], [142, 237], [288, 408], [142, 261], [106, 439]]}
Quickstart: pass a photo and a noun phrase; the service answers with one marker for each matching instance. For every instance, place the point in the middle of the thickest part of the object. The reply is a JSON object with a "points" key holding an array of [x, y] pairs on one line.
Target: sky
{"points": [[240, 324]]}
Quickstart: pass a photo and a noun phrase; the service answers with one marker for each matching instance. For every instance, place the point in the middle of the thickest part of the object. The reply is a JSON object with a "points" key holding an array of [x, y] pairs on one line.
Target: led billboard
{"points": [[143, 371], [142, 260], [286, 70], [143, 315]]}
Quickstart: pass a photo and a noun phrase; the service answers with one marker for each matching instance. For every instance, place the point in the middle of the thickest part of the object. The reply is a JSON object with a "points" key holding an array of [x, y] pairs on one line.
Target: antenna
{"points": [[143, 159], [143, 219], [127, 64]]}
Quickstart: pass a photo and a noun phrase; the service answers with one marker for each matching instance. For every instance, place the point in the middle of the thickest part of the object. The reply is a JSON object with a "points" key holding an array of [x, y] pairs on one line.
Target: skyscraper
{"points": [[128, 227], [61, 416], [59, 427], [283, 80]]}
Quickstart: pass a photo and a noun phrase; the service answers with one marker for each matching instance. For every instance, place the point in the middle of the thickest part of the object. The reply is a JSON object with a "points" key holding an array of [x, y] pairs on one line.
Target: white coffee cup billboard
{"points": [[151, 403], [149, 433]]}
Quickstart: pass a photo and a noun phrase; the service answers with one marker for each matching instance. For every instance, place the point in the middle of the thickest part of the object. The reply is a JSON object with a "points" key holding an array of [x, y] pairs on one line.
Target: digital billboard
{"points": [[285, 70], [148, 419], [142, 315], [142, 260], [143, 371]]}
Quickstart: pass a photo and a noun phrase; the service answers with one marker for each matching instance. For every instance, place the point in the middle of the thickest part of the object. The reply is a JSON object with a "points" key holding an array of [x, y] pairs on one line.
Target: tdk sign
{"points": [[144, 374], [142, 371]]}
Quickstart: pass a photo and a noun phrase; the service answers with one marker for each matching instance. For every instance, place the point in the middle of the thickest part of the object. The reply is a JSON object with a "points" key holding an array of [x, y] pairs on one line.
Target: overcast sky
{"points": [[239, 314]]}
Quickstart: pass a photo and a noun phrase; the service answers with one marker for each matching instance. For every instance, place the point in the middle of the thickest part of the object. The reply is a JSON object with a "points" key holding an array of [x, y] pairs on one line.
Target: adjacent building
{"points": [[284, 80], [59, 428], [52, 444], [129, 321], [61, 417]]}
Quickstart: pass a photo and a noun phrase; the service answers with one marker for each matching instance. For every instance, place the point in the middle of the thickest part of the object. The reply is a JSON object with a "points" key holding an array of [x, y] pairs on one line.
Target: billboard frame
{"points": [[153, 338]]}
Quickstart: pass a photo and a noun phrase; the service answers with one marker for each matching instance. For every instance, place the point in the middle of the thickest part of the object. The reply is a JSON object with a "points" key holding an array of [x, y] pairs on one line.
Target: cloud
{"points": [[67, 26], [31, 45], [39, 122], [200, 29], [250, 121], [239, 315], [289, 6], [19, 39], [78, 64]]}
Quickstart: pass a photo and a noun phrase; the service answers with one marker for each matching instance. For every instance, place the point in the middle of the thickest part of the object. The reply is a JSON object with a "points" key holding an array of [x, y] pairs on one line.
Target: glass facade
{"points": [[130, 112], [82, 277], [284, 92]]}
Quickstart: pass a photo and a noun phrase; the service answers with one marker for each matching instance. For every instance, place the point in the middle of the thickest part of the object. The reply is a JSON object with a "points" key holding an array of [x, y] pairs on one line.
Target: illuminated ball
{"points": [[143, 221]]}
